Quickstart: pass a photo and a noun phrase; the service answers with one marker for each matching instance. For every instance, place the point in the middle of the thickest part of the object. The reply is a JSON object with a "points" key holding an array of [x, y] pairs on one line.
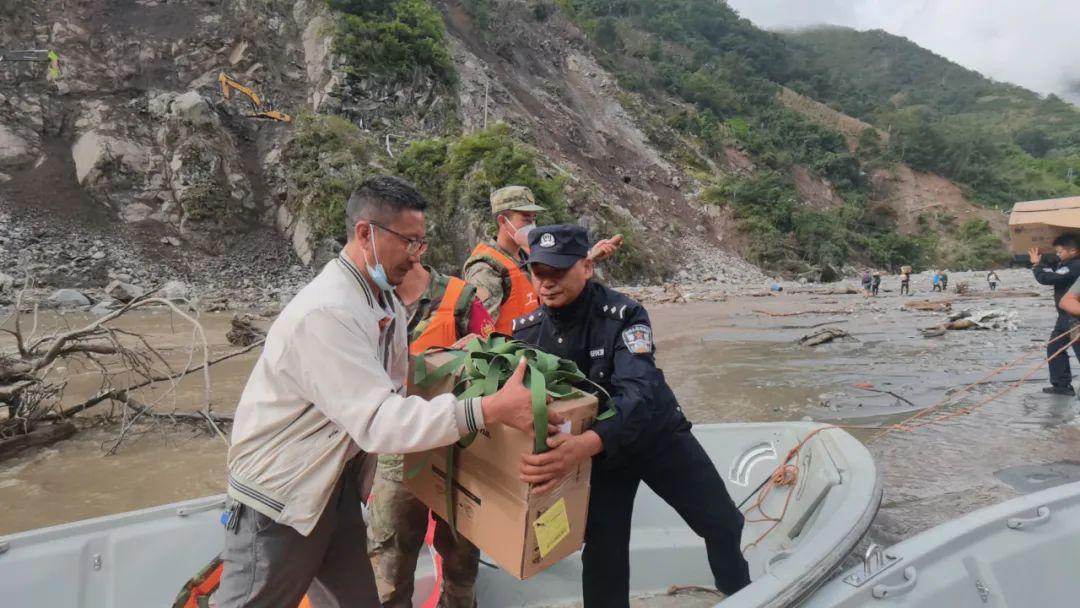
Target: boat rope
{"points": [[787, 472]]}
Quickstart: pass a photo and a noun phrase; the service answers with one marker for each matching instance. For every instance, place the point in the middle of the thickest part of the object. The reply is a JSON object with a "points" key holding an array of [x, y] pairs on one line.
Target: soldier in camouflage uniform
{"points": [[497, 267], [398, 521]]}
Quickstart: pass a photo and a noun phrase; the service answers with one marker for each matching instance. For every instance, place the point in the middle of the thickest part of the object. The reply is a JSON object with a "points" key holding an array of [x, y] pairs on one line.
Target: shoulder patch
{"points": [[638, 339], [528, 320], [616, 310]]}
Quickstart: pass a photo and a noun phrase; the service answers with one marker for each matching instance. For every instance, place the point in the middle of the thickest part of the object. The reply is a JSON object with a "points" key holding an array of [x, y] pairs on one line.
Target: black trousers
{"points": [[1060, 372], [680, 472]]}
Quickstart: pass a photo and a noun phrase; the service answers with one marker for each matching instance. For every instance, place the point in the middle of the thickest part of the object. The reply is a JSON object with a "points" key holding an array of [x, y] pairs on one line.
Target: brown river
{"points": [[727, 361]]}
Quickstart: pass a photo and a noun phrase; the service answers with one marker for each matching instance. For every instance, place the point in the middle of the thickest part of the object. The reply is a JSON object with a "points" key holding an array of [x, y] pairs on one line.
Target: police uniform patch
{"points": [[638, 339]]}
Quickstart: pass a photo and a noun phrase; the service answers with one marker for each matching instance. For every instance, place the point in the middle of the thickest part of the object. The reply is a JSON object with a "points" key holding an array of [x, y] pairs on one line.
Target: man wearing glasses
{"points": [[327, 390]]}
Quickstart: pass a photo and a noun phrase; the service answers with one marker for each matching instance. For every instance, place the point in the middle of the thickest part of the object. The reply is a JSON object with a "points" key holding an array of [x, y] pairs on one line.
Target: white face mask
{"points": [[521, 235], [378, 273]]}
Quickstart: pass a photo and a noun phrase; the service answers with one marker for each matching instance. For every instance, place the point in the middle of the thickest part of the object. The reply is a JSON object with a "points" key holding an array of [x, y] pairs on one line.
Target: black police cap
{"points": [[558, 246]]}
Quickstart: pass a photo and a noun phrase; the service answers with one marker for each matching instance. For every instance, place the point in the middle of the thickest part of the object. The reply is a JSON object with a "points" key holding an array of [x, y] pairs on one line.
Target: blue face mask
{"points": [[378, 273]]}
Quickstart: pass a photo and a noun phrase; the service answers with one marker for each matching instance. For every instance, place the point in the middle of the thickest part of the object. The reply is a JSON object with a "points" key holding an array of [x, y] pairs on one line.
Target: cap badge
{"points": [[547, 240]]}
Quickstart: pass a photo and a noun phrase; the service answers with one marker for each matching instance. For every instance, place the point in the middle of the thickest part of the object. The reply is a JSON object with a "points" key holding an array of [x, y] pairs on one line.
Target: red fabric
{"points": [[429, 539], [480, 322]]}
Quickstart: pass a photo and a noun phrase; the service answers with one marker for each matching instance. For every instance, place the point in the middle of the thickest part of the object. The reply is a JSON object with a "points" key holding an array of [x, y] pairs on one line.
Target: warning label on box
{"points": [[551, 527]]}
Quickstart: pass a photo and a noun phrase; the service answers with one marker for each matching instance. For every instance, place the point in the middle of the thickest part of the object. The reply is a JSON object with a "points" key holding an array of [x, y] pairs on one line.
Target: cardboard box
{"points": [[523, 533], [1038, 223]]}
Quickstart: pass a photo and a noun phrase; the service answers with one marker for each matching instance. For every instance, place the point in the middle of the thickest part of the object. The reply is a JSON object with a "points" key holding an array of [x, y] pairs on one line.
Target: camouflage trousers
{"points": [[396, 530]]}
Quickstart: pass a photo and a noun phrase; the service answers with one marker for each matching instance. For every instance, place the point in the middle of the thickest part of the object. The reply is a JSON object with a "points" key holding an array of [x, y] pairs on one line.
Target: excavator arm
{"points": [[229, 84]]}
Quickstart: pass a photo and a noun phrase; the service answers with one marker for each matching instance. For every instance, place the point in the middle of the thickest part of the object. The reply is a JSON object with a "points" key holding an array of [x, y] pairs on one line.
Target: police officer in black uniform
{"points": [[648, 439], [1061, 273]]}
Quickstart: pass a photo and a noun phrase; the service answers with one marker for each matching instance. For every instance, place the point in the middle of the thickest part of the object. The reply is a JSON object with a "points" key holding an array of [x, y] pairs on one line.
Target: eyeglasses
{"points": [[414, 247]]}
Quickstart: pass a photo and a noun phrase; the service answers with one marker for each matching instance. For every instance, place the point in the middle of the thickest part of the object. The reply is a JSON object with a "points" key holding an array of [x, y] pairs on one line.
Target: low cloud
{"points": [[1032, 43]]}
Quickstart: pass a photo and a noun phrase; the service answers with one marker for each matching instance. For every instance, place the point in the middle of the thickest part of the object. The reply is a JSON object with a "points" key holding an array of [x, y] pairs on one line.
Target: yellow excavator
{"points": [[228, 84]]}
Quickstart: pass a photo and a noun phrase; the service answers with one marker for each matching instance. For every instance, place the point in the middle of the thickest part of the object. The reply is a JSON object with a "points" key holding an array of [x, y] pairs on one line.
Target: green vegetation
{"points": [[1004, 142], [938, 116], [394, 37], [458, 174], [702, 52], [205, 197], [786, 235], [479, 10], [978, 247], [322, 161]]}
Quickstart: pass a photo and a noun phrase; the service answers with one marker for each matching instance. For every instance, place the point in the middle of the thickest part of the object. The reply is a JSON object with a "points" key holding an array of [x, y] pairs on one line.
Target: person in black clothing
{"points": [[876, 285], [1062, 276], [648, 439]]}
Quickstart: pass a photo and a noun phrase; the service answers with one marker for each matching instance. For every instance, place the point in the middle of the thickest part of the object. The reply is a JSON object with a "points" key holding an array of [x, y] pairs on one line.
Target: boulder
{"points": [[7, 282], [175, 290], [93, 147], [124, 292], [68, 298], [14, 150], [829, 274], [104, 307], [192, 108]]}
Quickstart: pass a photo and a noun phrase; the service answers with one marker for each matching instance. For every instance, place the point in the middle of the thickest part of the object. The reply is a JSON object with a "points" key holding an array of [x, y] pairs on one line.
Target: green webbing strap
{"points": [[482, 369]]}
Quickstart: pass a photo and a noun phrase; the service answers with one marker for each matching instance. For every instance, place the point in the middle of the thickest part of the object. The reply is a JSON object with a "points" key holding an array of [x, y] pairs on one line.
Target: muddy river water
{"points": [[727, 361]]}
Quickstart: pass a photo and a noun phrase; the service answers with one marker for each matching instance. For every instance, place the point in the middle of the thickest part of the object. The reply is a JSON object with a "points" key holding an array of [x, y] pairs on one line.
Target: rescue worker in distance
{"points": [[610, 338]]}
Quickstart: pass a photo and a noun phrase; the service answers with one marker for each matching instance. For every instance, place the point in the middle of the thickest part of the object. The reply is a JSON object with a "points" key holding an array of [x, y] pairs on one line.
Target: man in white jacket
{"points": [[327, 390]]}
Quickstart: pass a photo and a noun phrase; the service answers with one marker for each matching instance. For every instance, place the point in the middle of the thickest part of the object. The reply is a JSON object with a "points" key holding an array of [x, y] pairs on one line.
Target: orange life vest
{"points": [[197, 591], [522, 298], [441, 331]]}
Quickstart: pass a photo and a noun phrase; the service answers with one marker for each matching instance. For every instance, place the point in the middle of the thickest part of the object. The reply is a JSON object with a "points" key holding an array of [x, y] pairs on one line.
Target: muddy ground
{"points": [[727, 361]]}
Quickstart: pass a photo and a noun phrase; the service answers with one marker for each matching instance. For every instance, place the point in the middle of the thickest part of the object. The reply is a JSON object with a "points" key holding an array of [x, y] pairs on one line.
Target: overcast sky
{"points": [[1034, 43]]}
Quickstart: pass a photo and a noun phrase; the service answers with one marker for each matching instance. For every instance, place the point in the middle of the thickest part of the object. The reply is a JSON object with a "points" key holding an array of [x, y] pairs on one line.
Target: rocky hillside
{"points": [[132, 163]]}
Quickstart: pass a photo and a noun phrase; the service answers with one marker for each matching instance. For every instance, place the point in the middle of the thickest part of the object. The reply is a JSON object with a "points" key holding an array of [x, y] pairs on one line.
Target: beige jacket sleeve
{"points": [[337, 365]]}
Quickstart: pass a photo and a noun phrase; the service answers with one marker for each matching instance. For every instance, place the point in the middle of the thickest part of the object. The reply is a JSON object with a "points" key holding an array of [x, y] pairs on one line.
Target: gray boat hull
{"points": [[142, 558], [1020, 553]]}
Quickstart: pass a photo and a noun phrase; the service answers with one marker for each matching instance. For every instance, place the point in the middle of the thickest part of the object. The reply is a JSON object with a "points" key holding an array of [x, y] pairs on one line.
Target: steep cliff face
{"points": [[134, 146], [134, 152], [137, 140]]}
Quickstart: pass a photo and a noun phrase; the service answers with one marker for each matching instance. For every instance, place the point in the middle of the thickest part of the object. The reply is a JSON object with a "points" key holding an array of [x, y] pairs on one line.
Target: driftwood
{"points": [[244, 331], [870, 388], [993, 295], [42, 435], [929, 305], [33, 376], [804, 312], [813, 325], [824, 336]]}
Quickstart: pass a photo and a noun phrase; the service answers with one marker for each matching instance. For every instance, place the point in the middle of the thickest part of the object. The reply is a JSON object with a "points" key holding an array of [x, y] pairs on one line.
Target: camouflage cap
{"points": [[513, 198]]}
